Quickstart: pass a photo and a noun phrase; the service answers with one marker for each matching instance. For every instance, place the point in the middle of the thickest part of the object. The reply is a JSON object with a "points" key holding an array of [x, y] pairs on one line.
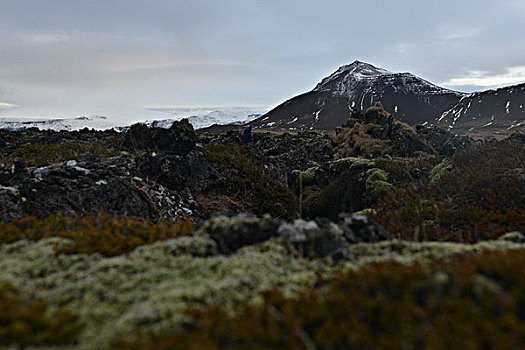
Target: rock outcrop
{"points": [[91, 184], [179, 139], [156, 182]]}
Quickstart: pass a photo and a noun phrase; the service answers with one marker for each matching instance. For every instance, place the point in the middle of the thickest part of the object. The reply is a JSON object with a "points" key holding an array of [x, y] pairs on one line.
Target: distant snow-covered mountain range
{"points": [[93, 122], [204, 117], [198, 117]]}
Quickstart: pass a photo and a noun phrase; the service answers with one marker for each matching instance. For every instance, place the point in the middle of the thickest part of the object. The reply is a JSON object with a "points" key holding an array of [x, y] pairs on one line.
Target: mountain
{"points": [[407, 97]]}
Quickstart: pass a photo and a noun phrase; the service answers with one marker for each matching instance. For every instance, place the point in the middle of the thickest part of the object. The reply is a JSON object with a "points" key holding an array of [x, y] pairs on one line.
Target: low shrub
{"points": [[481, 195], [94, 233]]}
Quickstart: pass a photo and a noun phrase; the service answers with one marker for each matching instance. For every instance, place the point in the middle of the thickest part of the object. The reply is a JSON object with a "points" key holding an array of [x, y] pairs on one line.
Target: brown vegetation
{"points": [[94, 233]]}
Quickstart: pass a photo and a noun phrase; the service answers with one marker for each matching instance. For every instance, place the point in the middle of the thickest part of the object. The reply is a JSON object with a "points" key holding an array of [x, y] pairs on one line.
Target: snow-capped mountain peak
{"points": [[353, 72]]}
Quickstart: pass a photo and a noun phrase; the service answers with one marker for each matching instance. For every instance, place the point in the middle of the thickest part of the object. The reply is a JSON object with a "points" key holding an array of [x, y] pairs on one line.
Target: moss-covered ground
{"points": [[161, 289]]}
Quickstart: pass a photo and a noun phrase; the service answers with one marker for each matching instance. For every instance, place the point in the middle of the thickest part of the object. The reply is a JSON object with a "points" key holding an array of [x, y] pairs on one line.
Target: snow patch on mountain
{"points": [[205, 117]]}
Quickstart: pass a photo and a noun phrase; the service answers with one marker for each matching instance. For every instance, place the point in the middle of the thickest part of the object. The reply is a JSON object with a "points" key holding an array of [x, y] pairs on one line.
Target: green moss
{"points": [[366, 212], [150, 288], [351, 163], [377, 185], [307, 177], [440, 170]]}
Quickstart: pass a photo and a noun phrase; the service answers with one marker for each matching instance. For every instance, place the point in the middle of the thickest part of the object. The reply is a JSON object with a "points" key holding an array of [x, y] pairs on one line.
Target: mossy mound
{"points": [[376, 133], [345, 185], [440, 171], [377, 184]]}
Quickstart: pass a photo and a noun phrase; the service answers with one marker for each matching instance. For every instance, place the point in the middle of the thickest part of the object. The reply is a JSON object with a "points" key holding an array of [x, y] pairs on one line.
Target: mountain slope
{"points": [[487, 113], [407, 97]]}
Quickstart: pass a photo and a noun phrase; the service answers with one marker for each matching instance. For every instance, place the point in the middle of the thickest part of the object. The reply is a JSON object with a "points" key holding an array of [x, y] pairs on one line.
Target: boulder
{"points": [[320, 238], [360, 228], [314, 239], [233, 233]]}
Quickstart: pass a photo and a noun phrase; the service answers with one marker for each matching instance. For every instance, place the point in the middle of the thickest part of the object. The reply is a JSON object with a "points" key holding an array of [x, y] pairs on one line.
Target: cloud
{"points": [[46, 38], [512, 75], [403, 48], [5, 106], [457, 33]]}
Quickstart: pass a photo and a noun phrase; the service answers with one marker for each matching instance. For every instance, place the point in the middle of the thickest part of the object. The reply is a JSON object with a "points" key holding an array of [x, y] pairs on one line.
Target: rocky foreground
{"points": [[382, 236]]}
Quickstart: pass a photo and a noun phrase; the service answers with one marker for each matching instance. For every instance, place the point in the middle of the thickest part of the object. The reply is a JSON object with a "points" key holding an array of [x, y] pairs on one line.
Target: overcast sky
{"points": [[118, 57]]}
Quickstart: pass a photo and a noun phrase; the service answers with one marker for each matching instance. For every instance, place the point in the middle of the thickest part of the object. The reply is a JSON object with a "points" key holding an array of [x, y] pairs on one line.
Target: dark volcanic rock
{"points": [[178, 172], [298, 151], [359, 228], [444, 142], [236, 232], [179, 139], [313, 239], [281, 153], [323, 238], [11, 204], [310, 239], [91, 184]]}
